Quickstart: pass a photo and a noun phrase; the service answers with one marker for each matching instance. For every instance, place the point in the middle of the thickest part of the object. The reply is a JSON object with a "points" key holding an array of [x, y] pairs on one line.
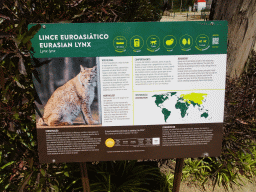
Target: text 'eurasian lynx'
{"points": [[70, 99]]}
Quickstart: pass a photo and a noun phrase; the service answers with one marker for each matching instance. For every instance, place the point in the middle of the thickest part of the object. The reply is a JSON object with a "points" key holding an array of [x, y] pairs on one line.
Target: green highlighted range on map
{"points": [[182, 102]]}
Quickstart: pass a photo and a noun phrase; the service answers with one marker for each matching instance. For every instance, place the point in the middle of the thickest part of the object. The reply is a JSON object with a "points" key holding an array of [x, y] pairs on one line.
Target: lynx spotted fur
{"points": [[70, 99]]}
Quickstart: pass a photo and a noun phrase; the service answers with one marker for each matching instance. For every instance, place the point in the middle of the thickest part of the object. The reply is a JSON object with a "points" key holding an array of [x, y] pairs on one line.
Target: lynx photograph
{"points": [[67, 90]]}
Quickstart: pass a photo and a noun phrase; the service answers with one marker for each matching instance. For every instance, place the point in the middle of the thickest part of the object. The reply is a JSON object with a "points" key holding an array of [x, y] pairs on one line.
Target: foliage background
{"points": [[19, 166]]}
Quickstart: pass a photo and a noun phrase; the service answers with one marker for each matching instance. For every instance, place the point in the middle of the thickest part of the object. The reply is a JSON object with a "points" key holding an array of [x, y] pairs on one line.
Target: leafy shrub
{"points": [[126, 176]]}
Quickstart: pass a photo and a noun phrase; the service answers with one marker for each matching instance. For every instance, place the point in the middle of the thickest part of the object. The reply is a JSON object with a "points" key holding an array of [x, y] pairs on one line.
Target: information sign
{"points": [[122, 91]]}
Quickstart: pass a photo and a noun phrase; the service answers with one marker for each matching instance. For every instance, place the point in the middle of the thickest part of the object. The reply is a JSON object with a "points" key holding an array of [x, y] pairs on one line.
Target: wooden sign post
{"points": [[84, 176], [177, 174]]}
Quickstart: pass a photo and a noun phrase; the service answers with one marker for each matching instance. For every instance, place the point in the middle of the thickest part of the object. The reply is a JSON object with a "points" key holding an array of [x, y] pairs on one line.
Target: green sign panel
{"points": [[121, 91], [130, 39]]}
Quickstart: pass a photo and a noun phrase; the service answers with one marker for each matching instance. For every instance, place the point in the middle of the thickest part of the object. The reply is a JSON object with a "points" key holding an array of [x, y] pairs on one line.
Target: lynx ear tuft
{"points": [[82, 68]]}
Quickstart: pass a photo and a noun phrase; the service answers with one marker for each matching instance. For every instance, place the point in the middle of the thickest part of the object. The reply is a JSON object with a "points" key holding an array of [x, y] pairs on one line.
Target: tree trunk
{"points": [[241, 17], [180, 5]]}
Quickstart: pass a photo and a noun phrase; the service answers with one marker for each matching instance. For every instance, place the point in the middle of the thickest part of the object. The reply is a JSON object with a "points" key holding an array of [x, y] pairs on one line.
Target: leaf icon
{"points": [[184, 41]]}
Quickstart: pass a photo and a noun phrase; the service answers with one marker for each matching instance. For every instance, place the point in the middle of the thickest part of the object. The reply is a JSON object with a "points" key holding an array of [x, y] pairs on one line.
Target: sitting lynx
{"points": [[70, 99]]}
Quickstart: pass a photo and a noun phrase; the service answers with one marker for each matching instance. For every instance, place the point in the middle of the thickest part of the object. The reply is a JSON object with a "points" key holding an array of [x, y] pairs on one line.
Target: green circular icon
{"points": [[136, 43], [153, 43], [169, 42], [186, 42], [120, 43], [202, 42]]}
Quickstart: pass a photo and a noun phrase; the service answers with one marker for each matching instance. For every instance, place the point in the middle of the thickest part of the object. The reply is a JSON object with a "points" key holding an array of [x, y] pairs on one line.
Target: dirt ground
{"points": [[184, 16], [246, 187]]}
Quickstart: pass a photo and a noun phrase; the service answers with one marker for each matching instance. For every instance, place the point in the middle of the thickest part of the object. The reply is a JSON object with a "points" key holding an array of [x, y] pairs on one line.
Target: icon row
{"points": [[169, 42]]}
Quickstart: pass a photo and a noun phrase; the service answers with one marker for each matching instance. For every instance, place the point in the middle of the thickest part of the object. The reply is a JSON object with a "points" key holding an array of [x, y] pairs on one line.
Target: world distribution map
{"points": [[182, 102]]}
